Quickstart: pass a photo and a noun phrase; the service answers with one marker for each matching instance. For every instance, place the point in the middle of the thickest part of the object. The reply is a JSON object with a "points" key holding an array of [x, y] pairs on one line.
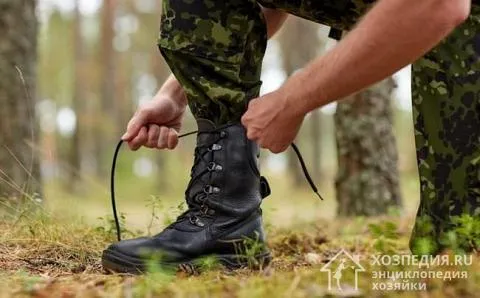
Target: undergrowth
{"points": [[45, 256]]}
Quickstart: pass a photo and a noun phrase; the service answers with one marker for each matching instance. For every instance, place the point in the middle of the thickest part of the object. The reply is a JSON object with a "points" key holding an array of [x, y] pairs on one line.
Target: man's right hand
{"points": [[157, 123]]}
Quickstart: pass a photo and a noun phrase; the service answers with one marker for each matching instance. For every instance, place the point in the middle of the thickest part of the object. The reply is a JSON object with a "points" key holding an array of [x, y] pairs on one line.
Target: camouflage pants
{"points": [[215, 49]]}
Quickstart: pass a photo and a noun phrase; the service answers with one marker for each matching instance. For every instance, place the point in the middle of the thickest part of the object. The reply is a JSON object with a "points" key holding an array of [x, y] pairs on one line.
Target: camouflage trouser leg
{"points": [[446, 102], [215, 49]]}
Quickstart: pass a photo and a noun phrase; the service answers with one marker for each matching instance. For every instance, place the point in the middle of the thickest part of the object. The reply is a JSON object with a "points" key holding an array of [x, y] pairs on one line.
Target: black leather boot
{"points": [[223, 220]]}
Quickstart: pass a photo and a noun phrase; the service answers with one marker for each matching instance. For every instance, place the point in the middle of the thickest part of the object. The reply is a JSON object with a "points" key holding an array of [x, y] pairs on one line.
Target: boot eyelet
{"points": [[207, 189], [215, 147], [196, 221], [223, 134], [212, 166]]}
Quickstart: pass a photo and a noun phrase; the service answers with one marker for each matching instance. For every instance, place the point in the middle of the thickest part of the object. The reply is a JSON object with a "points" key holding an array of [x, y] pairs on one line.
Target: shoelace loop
{"points": [[194, 218]]}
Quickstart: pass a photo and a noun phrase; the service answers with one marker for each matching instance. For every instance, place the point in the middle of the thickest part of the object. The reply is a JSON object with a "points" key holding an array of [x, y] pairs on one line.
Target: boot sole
{"points": [[116, 262]]}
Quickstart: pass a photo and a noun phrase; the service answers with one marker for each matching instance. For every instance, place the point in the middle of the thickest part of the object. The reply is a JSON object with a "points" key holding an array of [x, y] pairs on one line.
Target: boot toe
{"points": [[132, 255], [132, 247]]}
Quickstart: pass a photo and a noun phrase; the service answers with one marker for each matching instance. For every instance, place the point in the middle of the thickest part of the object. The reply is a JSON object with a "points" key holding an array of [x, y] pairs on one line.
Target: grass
{"points": [[56, 251], [47, 257]]}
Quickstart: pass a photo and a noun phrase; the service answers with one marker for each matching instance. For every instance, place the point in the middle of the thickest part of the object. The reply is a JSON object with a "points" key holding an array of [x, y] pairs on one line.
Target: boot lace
{"points": [[198, 202]]}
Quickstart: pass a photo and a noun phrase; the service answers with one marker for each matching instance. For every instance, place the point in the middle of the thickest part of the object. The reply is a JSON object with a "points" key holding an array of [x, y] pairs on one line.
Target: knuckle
{"points": [[144, 111], [162, 142]]}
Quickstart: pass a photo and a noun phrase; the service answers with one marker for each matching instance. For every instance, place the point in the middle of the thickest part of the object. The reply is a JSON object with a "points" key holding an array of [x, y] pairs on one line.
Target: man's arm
{"points": [[393, 34]]}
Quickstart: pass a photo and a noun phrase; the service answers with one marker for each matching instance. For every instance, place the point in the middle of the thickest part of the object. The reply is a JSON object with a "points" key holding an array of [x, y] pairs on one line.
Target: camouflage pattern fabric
{"points": [[339, 14], [446, 111], [215, 49]]}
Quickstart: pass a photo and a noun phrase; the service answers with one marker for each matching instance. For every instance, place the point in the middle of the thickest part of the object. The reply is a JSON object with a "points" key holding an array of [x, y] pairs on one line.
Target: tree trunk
{"points": [[367, 182], [19, 152], [75, 151], [106, 117]]}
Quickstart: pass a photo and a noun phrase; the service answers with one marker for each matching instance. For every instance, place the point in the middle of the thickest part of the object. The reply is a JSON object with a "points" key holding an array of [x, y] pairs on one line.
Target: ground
{"points": [[55, 252]]}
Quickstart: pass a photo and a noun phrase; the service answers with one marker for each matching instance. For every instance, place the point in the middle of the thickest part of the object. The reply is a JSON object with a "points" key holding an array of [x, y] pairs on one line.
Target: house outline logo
{"points": [[346, 256]]}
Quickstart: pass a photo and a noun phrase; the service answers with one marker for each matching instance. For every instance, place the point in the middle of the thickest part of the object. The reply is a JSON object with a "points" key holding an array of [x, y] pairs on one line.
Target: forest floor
{"points": [[57, 254]]}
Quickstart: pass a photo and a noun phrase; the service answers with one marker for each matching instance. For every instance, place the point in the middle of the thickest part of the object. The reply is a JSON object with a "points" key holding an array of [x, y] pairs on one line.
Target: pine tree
{"points": [[19, 152], [367, 182]]}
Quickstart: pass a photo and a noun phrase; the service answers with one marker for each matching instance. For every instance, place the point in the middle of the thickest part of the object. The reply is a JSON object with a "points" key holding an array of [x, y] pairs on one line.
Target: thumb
{"points": [[133, 127]]}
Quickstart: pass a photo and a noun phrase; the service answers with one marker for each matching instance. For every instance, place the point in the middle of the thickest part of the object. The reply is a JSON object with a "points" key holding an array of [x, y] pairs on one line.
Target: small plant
{"points": [[386, 237], [172, 213], [155, 205], [464, 236], [156, 276], [207, 263], [249, 249], [423, 242], [108, 226]]}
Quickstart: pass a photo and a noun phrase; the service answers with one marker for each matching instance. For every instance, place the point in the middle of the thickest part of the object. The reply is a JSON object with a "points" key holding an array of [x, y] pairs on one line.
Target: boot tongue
{"points": [[205, 125]]}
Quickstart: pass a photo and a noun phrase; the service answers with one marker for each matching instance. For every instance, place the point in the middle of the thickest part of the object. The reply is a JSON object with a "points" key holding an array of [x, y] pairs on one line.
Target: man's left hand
{"points": [[272, 121]]}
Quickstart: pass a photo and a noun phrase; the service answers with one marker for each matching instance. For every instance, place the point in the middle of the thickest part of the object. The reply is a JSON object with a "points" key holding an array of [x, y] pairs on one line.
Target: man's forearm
{"points": [[393, 34], [172, 89]]}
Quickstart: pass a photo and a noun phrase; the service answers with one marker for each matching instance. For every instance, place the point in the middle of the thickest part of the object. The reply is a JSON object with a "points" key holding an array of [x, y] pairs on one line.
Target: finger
{"points": [[139, 140], [163, 138], [275, 149], [172, 141], [134, 126], [153, 134], [278, 148]]}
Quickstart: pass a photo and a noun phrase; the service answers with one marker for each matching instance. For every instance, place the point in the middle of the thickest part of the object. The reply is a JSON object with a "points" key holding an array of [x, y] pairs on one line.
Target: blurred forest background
{"points": [[98, 60]]}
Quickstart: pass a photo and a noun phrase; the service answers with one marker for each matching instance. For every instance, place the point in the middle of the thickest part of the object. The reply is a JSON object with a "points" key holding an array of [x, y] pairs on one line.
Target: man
{"points": [[215, 49]]}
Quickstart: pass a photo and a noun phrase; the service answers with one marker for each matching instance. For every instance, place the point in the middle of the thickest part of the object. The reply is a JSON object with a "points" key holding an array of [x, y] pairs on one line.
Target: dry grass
{"points": [[56, 252], [47, 257]]}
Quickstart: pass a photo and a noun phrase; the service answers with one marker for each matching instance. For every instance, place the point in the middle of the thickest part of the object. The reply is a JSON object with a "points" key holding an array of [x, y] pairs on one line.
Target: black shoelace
{"points": [[197, 203]]}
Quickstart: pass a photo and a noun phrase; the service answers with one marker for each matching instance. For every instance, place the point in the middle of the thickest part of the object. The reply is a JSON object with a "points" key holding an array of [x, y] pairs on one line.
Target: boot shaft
{"points": [[226, 170]]}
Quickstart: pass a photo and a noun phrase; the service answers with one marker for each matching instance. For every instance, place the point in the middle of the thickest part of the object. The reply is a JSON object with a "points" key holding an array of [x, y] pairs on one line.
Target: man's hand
{"points": [[156, 124], [272, 121]]}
